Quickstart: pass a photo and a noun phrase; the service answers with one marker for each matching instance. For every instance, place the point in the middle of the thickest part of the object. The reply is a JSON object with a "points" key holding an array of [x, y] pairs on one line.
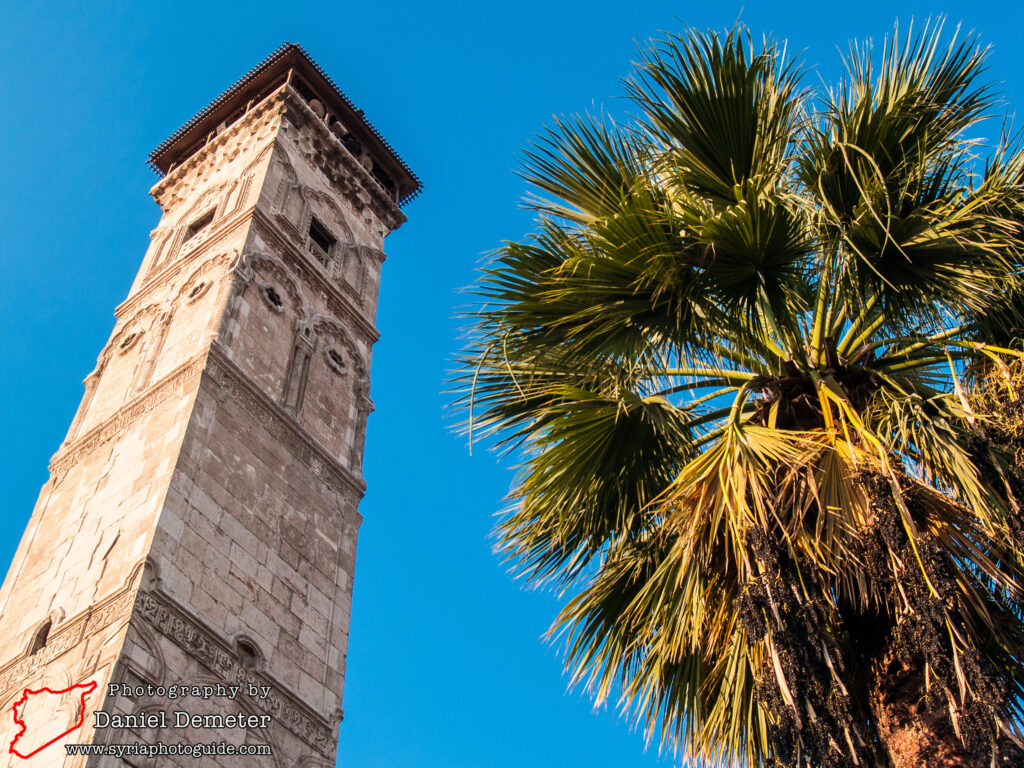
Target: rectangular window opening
{"points": [[199, 225], [320, 241]]}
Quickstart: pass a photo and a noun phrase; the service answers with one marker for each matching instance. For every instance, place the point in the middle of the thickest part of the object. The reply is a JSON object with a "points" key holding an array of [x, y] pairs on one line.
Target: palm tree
{"points": [[748, 360]]}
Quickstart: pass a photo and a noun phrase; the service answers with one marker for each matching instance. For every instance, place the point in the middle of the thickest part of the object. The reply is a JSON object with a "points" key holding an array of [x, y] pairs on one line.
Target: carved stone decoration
{"points": [[330, 214], [131, 332], [353, 272], [251, 131], [336, 361], [291, 206], [298, 367], [238, 197], [329, 329], [201, 278], [338, 303], [211, 202], [364, 407], [345, 174], [161, 238], [109, 429], [294, 210], [124, 365], [197, 292], [213, 653], [66, 636], [153, 350], [127, 341], [272, 268], [281, 425]]}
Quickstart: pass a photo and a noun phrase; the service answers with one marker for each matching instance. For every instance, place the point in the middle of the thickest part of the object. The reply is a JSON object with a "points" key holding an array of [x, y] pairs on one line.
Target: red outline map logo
{"points": [[86, 689]]}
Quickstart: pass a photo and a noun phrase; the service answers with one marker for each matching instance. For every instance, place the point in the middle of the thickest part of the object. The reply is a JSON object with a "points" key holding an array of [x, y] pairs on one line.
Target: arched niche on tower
{"points": [[193, 225], [336, 377], [121, 364], [194, 302], [358, 274], [288, 203], [265, 309], [240, 192], [330, 219], [161, 240], [295, 204]]}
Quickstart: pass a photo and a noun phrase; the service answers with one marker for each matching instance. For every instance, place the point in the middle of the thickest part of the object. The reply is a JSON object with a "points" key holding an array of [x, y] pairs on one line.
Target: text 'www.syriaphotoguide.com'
{"points": [[160, 749]]}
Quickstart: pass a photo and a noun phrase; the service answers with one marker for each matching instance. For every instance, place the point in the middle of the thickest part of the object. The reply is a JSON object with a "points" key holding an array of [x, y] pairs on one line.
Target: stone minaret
{"points": [[199, 524]]}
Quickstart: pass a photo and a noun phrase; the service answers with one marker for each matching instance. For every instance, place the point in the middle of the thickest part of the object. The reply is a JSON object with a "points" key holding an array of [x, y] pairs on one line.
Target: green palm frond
{"points": [[722, 113], [587, 165]]}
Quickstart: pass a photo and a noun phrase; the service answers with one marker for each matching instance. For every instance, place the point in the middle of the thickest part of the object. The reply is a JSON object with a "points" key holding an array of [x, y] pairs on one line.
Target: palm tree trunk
{"points": [[914, 733]]}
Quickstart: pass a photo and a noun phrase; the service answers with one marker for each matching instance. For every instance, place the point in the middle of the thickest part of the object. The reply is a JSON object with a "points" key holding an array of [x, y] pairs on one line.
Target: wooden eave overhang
{"points": [[289, 63]]}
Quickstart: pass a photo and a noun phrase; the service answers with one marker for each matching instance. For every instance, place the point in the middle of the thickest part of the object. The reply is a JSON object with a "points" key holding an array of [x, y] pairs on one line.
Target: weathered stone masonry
{"points": [[200, 520]]}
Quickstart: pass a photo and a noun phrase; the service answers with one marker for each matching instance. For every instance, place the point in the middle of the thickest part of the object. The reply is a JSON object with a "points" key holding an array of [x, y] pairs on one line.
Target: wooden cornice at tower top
{"points": [[289, 63]]}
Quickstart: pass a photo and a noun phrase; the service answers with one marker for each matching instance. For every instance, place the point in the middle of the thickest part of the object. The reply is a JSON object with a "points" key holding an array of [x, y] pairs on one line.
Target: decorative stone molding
{"points": [[128, 341], [161, 238], [201, 643], [353, 273], [302, 266], [200, 277], [281, 425], [335, 361], [364, 407], [269, 266], [152, 350], [244, 136], [66, 635], [157, 281], [126, 416], [212, 198], [298, 367], [132, 327], [336, 219], [327, 328], [197, 292], [291, 206], [345, 174]]}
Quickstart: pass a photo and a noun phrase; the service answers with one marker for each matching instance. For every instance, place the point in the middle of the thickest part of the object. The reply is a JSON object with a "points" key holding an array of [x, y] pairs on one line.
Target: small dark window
{"points": [[319, 235], [199, 225], [336, 361], [247, 654], [39, 641], [353, 145], [384, 180], [320, 241], [274, 297]]}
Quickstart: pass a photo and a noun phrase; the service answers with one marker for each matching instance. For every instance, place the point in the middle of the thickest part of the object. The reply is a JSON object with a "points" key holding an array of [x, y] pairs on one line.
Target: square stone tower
{"points": [[199, 525]]}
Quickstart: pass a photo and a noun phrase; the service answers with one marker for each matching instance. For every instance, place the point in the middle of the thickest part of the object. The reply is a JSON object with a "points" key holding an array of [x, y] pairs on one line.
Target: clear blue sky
{"points": [[446, 664]]}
